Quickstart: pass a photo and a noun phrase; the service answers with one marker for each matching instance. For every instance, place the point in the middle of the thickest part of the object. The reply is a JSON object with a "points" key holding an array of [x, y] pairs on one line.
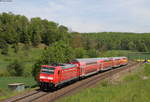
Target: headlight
{"points": [[51, 78], [42, 77]]}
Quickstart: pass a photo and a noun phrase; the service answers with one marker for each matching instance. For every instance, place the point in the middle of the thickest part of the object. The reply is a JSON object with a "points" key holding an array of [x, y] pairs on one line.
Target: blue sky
{"points": [[87, 15]]}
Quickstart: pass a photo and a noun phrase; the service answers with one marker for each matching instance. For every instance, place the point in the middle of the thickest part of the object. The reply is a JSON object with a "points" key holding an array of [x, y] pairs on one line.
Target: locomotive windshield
{"points": [[47, 70]]}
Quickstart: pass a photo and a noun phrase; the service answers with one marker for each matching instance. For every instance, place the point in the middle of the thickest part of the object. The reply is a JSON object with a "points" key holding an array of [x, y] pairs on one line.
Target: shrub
{"points": [[15, 68], [3, 43], [92, 53], [80, 53], [16, 48], [5, 50]]}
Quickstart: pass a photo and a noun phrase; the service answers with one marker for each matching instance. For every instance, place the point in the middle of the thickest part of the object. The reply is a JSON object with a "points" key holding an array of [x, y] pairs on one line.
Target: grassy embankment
{"points": [[4, 81], [133, 87], [27, 57]]}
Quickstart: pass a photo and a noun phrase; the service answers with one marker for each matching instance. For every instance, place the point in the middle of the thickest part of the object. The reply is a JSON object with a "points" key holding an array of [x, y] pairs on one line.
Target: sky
{"points": [[87, 15]]}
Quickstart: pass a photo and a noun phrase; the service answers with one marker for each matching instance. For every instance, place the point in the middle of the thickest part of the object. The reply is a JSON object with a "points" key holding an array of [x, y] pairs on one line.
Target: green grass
{"points": [[5, 92], [114, 53], [28, 57], [29, 81], [133, 87]]}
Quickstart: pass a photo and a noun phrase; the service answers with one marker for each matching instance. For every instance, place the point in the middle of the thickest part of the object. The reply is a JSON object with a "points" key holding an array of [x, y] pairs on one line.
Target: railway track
{"points": [[40, 96], [27, 97]]}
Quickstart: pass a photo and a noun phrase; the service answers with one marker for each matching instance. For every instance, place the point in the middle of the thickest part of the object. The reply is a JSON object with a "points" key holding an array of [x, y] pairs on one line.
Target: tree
{"points": [[59, 52], [15, 68], [62, 33], [131, 45], [35, 31], [76, 40], [92, 53], [80, 53]]}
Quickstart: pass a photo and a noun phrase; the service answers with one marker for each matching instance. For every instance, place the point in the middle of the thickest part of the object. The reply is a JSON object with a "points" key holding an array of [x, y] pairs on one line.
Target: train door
{"points": [[82, 72], [101, 65], [59, 76]]}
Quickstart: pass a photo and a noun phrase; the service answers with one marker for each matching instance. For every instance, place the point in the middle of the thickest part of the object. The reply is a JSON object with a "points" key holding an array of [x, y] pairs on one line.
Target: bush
{"points": [[80, 53], [5, 50], [27, 70], [3, 43], [36, 68], [16, 48], [92, 53], [15, 68]]}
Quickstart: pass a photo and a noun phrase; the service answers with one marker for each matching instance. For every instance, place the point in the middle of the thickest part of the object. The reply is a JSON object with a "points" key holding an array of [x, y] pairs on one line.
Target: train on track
{"points": [[53, 76]]}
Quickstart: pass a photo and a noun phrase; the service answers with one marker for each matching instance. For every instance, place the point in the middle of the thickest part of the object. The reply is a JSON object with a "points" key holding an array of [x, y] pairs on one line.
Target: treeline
{"points": [[16, 29], [104, 41]]}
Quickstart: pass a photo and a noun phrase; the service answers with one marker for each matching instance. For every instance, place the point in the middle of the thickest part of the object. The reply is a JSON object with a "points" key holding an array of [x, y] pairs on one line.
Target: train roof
{"points": [[95, 59], [89, 60], [47, 66], [119, 57], [65, 66]]}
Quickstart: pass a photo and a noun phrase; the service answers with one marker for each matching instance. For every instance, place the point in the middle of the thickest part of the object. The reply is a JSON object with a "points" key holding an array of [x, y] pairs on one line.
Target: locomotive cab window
{"points": [[47, 70]]}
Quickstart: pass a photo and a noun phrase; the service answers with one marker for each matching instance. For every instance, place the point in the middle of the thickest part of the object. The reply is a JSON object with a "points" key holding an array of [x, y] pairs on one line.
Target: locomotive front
{"points": [[47, 77]]}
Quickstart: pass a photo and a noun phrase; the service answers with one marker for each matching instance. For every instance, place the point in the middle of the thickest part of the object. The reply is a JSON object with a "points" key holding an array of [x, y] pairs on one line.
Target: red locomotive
{"points": [[56, 75]]}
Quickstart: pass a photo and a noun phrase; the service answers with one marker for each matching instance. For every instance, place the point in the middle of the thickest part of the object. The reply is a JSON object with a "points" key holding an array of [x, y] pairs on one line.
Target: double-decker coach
{"points": [[124, 60], [107, 64], [116, 61], [104, 63], [119, 61], [87, 66]]}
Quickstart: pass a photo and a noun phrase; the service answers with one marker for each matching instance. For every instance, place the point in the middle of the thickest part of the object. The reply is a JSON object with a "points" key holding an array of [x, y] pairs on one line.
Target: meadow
{"points": [[4, 81], [27, 57], [133, 87]]}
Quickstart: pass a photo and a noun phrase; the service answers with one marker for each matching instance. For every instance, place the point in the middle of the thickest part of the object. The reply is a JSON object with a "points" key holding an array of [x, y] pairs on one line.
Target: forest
{"points": [[62, 45]]}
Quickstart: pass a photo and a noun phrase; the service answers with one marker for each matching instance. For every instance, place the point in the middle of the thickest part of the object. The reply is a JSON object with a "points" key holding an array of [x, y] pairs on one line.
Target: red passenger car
{"points": [[87, 66], [106, 64]]}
